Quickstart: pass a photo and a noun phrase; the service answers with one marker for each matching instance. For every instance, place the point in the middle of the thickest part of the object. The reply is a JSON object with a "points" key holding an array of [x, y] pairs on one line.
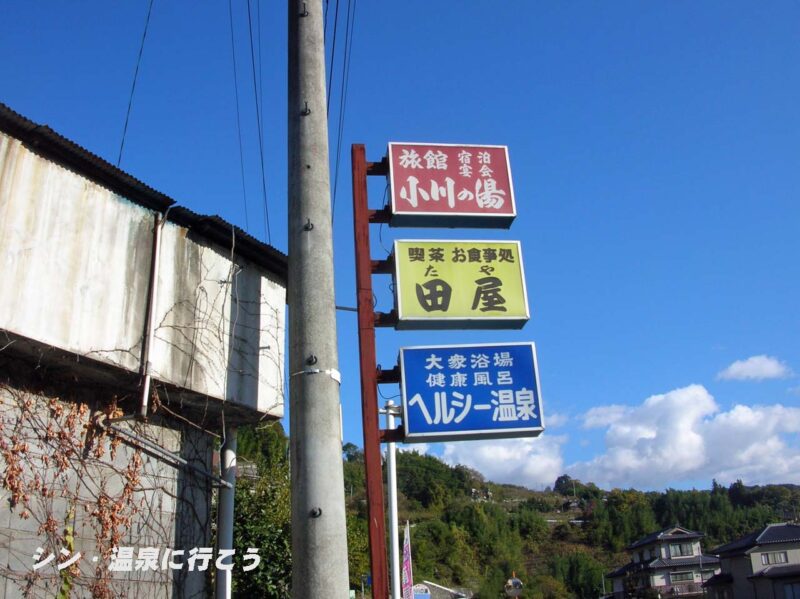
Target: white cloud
{"points": [[749, 443], [604, 416], [682, 436], [755, 368], [556, 420], [531, 462], [679, 438]]}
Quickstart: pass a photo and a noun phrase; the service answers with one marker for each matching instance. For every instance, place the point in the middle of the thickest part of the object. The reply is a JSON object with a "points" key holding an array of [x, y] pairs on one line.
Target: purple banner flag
{"points": [[407, 582]]}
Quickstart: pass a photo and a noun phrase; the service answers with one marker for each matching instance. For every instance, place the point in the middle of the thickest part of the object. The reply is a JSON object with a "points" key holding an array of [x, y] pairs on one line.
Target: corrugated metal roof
{"points": [[46, 142]]}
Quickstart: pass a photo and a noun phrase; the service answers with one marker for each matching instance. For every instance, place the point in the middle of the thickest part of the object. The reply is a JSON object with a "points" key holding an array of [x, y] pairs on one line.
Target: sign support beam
{"points": [[369, 375]]}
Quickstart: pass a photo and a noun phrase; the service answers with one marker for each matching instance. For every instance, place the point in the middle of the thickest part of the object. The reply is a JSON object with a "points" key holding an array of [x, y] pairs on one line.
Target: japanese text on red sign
{"points": [[451, 179]]}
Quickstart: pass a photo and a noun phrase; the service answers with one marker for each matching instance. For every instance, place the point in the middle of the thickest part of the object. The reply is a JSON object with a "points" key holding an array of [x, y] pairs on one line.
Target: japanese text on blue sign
{"points": [[470, 391]]}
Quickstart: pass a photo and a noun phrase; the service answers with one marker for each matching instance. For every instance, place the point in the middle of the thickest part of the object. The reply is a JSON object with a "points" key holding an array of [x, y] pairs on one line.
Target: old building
{"points": [[668, 562], [762, 565], [134, 335]]}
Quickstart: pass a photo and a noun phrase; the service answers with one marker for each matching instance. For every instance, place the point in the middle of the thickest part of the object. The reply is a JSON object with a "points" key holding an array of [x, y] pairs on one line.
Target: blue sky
{"points": [[655, 152]]}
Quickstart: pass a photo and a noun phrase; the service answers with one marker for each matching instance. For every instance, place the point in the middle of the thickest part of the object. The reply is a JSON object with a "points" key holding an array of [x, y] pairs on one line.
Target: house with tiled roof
{"points": [[762, 565], [670, 562]]}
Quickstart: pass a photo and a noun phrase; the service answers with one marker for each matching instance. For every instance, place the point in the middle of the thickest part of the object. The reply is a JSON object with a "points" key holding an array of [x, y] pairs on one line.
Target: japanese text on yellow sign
{"points": [[461, 281]]}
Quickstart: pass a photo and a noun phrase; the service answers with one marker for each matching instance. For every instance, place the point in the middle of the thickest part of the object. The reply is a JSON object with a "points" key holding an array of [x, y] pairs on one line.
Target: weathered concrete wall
{"points": [[219, 325], [60, 481], [76, 261]]}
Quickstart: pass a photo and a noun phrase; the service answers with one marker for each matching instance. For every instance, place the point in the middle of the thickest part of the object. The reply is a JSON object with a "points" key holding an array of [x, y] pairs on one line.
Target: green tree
{"points": [[580, 573], [262, 519], [264, 444], [545, 586], [263, 514], [530, 524], [357, 549]]}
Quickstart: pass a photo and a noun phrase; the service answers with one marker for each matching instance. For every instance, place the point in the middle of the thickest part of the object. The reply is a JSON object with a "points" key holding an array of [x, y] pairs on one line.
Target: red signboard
{"points": [[446, 185]]}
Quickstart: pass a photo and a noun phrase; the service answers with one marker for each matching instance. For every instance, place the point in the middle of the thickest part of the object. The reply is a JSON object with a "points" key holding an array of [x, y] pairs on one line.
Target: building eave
{"points": [[55, 147]]}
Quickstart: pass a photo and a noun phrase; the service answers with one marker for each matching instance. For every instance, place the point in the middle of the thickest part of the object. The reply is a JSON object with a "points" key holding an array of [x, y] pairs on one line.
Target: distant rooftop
{"points": [[700, 560], [778, 571], [770, 534], [623, 570], [717, 579], [672, 533]]}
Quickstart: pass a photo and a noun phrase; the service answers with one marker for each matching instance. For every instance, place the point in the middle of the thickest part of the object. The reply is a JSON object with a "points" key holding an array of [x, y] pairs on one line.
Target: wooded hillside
{"points": [[471, 533]]}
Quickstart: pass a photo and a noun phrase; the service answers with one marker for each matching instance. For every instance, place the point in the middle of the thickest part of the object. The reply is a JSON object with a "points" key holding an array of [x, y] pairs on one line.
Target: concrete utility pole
{"points": [[319, 532]]}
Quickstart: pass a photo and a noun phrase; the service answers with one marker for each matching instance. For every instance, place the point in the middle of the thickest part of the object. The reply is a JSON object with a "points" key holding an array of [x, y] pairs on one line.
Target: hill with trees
{"points": [[468, 532]]}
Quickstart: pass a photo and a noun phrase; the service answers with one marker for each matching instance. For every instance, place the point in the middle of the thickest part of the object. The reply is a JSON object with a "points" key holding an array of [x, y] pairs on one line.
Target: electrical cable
{"points": [[333, 54], [258, 120], [348, 44], [387, 397], [238, 117], [260, 61], [133, 87]]}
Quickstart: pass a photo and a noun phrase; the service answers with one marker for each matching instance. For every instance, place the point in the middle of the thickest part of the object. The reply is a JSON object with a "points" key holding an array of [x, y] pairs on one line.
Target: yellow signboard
{"points": [[460, 284]]}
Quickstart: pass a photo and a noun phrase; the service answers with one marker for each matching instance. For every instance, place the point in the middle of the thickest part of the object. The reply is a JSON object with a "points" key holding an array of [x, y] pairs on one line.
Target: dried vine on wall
{"points": [[68, 485]]}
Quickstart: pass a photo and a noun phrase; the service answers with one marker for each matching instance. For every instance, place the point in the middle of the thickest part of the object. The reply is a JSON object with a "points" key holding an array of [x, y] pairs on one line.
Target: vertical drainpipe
{"points": [[150, 325], [227, 461]]}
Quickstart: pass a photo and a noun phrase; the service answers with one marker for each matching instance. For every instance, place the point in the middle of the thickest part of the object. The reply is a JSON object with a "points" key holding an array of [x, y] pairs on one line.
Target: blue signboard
{"points": [[470, 392]]}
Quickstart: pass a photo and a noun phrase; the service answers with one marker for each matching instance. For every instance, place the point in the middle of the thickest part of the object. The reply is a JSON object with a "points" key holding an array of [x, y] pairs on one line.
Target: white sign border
{"points": [[422, 216], [506, 433], [454, 321]]}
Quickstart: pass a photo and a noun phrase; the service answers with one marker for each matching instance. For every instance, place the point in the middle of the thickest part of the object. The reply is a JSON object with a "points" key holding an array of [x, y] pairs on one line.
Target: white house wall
{"points": [[791, 549], [76, 263]]}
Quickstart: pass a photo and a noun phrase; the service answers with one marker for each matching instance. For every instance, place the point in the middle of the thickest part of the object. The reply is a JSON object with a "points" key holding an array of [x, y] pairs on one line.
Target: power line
{"points": [[348, 48], [133, 87], [238, 117], [333, 53], [260, 61], [258, 120]]}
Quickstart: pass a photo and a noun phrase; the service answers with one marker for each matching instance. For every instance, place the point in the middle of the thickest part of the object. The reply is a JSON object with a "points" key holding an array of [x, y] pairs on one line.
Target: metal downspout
{"points": [[146, 365]]}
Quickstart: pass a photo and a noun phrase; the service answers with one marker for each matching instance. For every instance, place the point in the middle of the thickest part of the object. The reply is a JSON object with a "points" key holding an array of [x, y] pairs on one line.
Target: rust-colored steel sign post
{"points": [[362, 217]]}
